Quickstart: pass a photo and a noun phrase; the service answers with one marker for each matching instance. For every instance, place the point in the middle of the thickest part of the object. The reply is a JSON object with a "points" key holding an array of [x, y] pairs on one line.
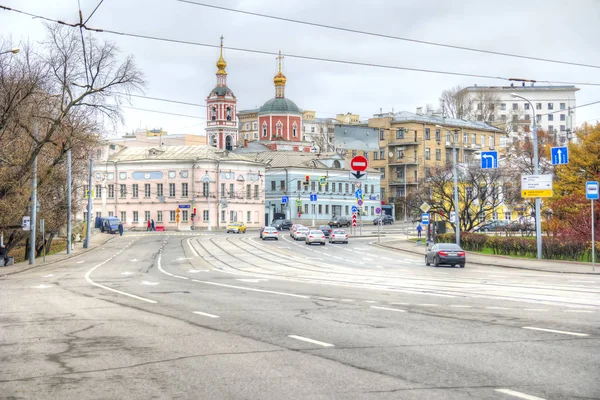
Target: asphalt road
{"points": [[216, 316]]}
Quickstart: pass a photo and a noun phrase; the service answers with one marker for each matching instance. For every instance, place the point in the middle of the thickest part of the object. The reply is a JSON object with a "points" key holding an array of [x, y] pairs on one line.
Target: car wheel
{"points": [[462, 265], [427, 261], [263, 238], [436, 262], [276, 238], [323, 244]]}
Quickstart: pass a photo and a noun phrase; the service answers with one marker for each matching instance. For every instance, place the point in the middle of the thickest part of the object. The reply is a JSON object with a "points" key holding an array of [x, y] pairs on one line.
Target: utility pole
{"points": [[88, 233], [69, 227], [33, 204]]}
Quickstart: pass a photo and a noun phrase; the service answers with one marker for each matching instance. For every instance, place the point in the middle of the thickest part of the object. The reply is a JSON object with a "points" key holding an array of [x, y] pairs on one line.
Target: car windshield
{"points": [[302, 229], [270, 229], [448, 246], [316, 232], [324, 228], [339, 232]]}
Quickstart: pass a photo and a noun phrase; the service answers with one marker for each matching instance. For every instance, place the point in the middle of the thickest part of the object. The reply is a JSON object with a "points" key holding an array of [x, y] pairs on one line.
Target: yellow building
{"points": [[248, 125], [348, 119], [410, 144]]}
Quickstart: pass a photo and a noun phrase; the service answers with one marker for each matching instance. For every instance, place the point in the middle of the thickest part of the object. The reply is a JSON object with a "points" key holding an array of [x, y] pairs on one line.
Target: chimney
{"points": [[419, 110]]}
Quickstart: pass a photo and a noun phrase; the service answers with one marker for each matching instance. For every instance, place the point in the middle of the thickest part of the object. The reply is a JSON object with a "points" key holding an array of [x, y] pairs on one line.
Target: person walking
{"points": [[152, 226], [149, 226], [4, 255], [120, 229], [419, 230]]}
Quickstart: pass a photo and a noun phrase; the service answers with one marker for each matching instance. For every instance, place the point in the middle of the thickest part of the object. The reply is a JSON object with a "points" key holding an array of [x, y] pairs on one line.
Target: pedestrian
{"points": [[152, 225], [4, 255], [149, 226], [120, 229], [419, 230]]}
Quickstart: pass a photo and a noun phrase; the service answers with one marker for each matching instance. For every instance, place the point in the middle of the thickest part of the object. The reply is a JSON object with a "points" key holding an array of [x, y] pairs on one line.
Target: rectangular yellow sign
{"points": [[536, 193]]}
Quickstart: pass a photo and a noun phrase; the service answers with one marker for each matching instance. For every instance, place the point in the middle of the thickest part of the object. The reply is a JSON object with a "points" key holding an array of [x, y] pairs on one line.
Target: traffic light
{"points": [[307, 180], [194, 212]]}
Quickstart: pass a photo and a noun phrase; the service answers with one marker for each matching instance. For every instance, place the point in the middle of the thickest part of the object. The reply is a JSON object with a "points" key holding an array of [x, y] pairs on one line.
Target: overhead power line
{"points": [[312, 58], [164, 112], [381, 35]]}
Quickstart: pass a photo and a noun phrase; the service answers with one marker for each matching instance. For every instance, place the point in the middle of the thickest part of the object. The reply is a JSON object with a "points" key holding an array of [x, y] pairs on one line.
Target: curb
{"points": [[499, 265], [56, 261]]}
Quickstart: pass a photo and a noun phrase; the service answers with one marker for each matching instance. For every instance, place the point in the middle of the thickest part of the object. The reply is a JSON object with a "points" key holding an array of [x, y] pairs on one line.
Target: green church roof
{"points": [[279, 105]]}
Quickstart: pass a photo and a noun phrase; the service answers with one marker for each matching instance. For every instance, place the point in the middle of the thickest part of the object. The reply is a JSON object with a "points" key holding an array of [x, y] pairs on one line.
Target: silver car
{"points": [[338, 235], [315, 237], [269, 232], [301, 233]]}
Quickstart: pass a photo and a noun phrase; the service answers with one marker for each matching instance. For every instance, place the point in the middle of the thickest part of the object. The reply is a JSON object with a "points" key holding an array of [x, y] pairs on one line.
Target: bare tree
{"points": [[455, 103]]}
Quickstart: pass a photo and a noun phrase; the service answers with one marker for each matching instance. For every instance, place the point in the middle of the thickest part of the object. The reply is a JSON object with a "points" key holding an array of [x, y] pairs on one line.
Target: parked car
{"points": [[301, 233], [315, 236], [269, 232], [236, 227], [282, 224], [338, 222], [293, 229], [384, 219], [445, 254], [338, 236], [109, 225], [493, 226], [520, 226], [326, 229]]}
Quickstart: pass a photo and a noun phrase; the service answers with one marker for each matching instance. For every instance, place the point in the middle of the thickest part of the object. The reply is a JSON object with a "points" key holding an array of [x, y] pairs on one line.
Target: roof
{"points": [[279, 105], [521, 88], [253, 147], [222, 91], [406, 116], [280, 159], [177, 153], [254, 110]]}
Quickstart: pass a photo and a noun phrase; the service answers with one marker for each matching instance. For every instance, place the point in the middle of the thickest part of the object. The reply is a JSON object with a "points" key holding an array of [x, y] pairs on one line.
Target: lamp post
{"points": [[454, 173], [536, 170], [14, 51]]}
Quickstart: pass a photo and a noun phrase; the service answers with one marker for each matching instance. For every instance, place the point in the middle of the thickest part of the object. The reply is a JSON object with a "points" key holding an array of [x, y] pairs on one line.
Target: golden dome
{"points": [[221, 64], [279, 79]]}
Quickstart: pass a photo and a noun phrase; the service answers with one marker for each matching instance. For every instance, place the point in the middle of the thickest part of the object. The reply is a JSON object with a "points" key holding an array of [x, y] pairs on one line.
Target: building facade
{"points": [[221, 111], [328, 178], [138, 184], [158, 138], [553, 106], [248, 125]]}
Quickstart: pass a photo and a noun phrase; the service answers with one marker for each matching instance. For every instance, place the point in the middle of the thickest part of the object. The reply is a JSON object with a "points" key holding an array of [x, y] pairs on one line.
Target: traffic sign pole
{"points": [[592, 193], [593, 243]]}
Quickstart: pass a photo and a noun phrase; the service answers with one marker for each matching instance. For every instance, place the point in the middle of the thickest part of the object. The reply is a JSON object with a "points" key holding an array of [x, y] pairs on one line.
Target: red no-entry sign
{"points": [[359, 163]]}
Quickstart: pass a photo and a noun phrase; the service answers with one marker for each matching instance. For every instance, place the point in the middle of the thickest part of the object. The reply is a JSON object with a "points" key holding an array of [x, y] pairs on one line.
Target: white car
{"points": [[301, 233], [316, 236], [338, 236], [269, 232]]}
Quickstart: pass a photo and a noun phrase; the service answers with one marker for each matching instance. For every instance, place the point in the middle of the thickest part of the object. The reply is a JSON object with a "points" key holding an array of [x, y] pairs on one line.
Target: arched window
{"points": [[336, 164], [264, 129], [228, 113], [279, 129], [295, 130], [214, 114]]}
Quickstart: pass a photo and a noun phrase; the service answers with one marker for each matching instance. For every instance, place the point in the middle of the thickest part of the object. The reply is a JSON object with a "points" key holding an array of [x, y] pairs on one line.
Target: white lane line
{"points": [[497, 308], [387, 308], [79, 262], [347, 300], [555, 331], [180, 277], [192, 248], [126, 273], [305, 339], [47, 276], [337, 258], [42, 286], [326, 298], [460, 306], [437, 294], [535, 309], [387, 258], [91, 282], [194, 271], [134, 260], [518, 394], [370, 301], [401, 304], [206, 314], [579, 311], [251, 289], [428, 305], [149, 283], [252, 280]]}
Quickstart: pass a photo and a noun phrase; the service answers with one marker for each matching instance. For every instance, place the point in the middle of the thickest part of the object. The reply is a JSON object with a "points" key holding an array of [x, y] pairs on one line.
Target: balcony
{"points": [[403, 181], [405, 161], [407, 141]]}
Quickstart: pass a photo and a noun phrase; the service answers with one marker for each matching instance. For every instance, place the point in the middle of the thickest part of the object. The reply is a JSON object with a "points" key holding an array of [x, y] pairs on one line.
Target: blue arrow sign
{"points": [[591, 190], [358, 193], [425, 219], [313, 197], [559, 155], [354, 209], [285, 199], [489, 159]]}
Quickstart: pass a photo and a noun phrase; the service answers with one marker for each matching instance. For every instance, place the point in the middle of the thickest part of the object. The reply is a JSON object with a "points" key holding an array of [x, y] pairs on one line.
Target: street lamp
{"points": [[536, 170], [456, 218], [14, 51]]}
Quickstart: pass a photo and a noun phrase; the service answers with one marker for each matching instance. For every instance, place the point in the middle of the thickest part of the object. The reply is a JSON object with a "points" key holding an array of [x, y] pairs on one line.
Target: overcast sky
{"points": [[547, 28]]}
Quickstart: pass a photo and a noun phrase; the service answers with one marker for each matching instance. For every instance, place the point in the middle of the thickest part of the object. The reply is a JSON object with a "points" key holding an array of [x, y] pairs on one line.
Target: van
{"points": [[108, 224]]}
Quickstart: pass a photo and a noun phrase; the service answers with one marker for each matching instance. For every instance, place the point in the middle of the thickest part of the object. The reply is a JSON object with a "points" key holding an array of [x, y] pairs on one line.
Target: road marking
{"points": [[428, 305], [149, 283], [437, 294], [338, 258], [304, 339], [79, 262], [347, 300], [387, 258], [126, 273], [326, 298], [388, 309], [47, 276], [497, 308], [401, 304], [180, 277], [370, 301], [251, 289], [460, 306], [42, 286], [579, 311], [134, 260], [252, 280], [191, 248], [206, 314], [194, 271], [518, 394], [535, 309], [555, 331], [91, 282]]}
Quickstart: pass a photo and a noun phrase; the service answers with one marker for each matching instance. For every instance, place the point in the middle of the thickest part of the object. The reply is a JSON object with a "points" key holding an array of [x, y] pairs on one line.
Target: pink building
{"points": [[138, 184]]}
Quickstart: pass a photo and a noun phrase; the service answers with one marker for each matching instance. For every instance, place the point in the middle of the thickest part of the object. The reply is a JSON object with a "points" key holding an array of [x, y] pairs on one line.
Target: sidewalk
{"points": [[556, 266], [98, 240]]}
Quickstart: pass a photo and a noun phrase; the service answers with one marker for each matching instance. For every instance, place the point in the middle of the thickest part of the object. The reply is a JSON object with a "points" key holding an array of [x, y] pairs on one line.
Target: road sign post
{"points": [[591, 193], [359, 165]]}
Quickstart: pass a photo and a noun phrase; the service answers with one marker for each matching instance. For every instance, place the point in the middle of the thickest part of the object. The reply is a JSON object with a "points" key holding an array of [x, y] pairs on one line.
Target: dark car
{"points": [[520, 226], [384, 219], [494, 226], [326, 229], [282, 224], [338, 222], [445, 254]]}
